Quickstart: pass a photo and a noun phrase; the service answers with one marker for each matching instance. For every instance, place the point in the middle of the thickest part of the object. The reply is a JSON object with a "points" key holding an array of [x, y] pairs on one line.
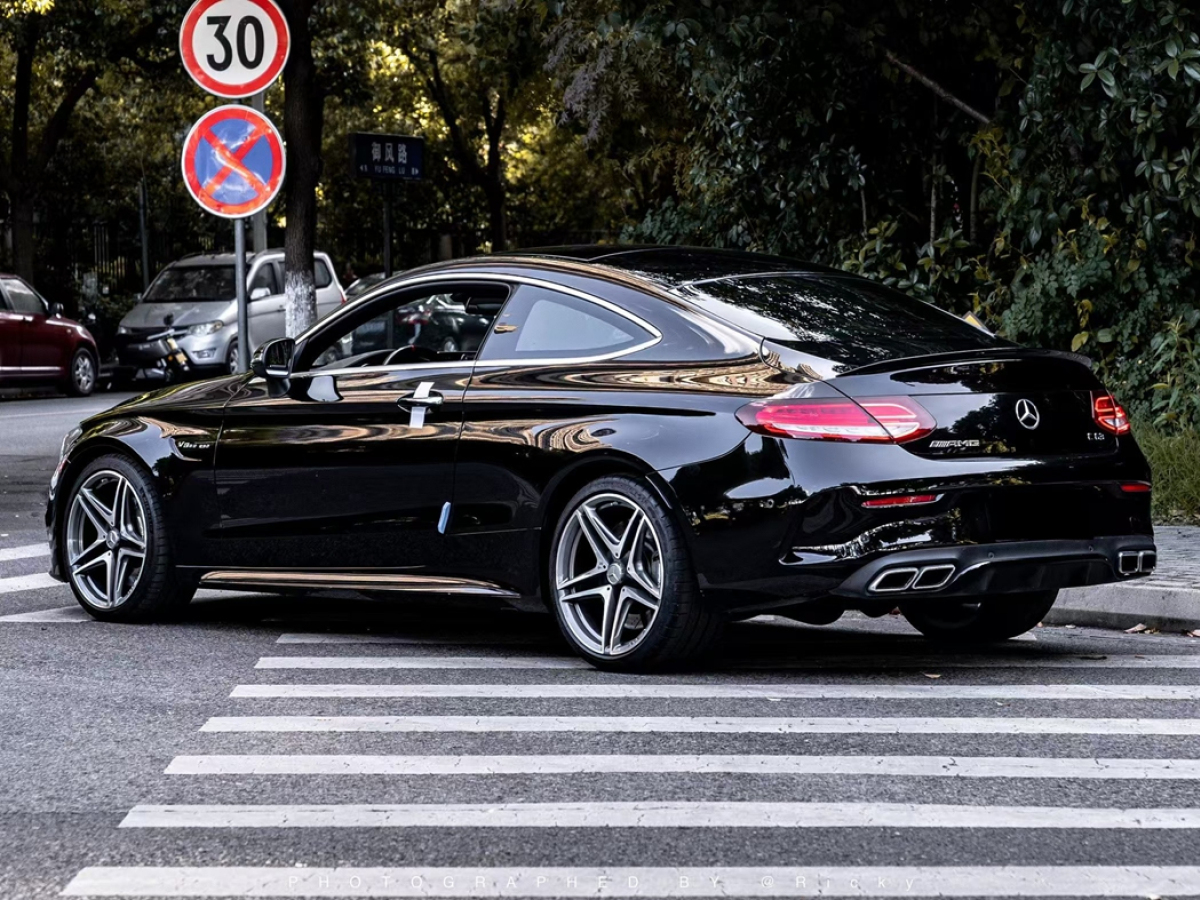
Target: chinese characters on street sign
{"points": [[388, 156]]}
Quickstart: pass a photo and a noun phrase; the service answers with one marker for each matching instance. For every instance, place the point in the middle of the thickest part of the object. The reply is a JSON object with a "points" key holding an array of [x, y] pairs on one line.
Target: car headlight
{"points": [[206, 328]]}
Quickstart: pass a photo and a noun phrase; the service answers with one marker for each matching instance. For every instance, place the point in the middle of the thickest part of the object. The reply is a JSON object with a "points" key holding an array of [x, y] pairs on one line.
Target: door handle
{"points": [[429, 400]]}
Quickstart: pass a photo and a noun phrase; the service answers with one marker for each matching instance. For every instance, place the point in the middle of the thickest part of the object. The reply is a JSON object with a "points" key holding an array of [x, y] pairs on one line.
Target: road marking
{"points": [[881, 661], [30, 551], [702, 724], [576, 764], [729, 691], [319, 638], [655, 814], [27, 583], [761, 881], [64, 615], [420, 662]]}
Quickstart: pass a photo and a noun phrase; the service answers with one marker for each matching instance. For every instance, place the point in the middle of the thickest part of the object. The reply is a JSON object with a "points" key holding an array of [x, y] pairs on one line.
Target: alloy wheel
{"points": [[106, 539], [84, 373], [608, 575], [231, 358]]}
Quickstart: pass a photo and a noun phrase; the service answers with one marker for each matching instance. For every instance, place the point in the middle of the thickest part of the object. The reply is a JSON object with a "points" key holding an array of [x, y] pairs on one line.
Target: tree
{"points": [[60, 49], [480, 63]]}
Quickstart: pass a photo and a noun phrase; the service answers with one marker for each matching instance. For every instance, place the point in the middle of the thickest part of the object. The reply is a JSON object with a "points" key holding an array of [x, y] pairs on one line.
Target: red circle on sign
{"points": [[234, 90], [229, 161]]}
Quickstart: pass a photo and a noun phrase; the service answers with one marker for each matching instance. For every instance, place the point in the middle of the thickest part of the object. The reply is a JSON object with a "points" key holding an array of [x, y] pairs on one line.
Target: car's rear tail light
{"points": [[1108, 414], [880, 420], [1135, 487], [901, 500]]}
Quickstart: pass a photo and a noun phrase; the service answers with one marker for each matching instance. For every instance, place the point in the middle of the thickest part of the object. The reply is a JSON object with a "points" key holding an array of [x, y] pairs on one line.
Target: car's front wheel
{"points": [[980, 619], [231, 358], [115, 547], [621, 583], [81, 379]]}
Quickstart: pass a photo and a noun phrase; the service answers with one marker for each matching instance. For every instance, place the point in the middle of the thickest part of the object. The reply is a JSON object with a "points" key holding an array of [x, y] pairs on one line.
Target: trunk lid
{"points": [[1006, 403]]}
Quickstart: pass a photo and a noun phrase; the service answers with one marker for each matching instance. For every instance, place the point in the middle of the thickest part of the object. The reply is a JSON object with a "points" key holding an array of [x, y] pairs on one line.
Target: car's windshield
{"points": [[182, 283]]}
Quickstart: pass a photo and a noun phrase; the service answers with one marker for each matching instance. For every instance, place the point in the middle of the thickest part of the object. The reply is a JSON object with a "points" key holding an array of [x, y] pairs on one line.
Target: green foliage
{"points": [[1175, 460]]}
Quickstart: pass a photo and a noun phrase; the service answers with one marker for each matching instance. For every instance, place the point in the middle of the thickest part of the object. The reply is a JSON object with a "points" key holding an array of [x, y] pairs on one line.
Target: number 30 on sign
{"points": [[234, 48]]}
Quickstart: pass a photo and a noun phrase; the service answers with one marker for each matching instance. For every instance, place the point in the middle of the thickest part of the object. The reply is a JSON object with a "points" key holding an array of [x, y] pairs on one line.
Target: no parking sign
{"points": [[233, 161]]}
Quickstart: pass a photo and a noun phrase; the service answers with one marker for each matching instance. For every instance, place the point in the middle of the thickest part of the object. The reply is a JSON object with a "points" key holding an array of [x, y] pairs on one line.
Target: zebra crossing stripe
{"points": [[655, 814], [882, 661], [704, 724], [655, 691], [761, 881], [29, 551], [417, 640], [27, 583], [891, 766]]}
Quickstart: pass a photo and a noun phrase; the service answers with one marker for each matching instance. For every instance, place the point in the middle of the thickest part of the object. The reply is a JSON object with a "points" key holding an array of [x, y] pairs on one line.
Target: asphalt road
{"points": [[304, 747]]}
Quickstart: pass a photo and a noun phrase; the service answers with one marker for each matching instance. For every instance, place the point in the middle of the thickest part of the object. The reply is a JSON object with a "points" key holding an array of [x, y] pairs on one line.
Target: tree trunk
{"points": [[497, 216], [303, 115], [20, 183]]}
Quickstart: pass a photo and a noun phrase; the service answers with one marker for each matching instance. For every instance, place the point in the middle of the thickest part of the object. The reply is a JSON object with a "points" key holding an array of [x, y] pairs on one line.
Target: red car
{"points": [[39, 346]]}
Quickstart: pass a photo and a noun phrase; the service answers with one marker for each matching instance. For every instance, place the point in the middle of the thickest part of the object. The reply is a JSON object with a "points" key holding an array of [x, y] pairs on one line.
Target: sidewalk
{"points": [[1169, 599]]}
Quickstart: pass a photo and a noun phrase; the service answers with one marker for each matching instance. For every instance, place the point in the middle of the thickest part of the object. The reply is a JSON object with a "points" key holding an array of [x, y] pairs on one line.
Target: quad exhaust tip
{"points": [[1136, 562], [912, 578]]}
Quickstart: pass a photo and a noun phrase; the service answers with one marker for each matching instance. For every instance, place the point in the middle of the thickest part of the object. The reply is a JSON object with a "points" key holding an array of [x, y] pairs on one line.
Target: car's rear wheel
{"points": [[622, 586], [231, 358], [116, 551], [81, 379], [979, 619]]}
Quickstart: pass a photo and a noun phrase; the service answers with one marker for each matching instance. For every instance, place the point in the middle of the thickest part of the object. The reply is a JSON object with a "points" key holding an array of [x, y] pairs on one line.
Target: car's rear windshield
{"points": [[848, 321], [198, 283]]}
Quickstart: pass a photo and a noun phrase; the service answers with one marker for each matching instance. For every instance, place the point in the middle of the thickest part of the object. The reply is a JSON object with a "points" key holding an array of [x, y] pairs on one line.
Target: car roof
{"points": [[227, 259], [673, 267]]}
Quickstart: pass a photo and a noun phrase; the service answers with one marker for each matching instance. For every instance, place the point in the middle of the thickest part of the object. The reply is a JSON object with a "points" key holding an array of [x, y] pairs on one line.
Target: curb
{"points": [[1126, 605]]}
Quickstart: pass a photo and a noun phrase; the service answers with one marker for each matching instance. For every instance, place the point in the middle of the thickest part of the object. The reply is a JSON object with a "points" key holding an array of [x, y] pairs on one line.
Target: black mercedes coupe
{"points": [[649, 442]]}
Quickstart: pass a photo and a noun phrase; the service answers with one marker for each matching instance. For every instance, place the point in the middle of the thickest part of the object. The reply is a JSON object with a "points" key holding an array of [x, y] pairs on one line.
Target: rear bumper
{"points": [[1005, 568]]}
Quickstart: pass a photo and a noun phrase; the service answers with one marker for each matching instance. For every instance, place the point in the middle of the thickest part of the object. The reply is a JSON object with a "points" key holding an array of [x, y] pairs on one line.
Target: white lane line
{"points": [[882, 661], [418, 640], [760, 881], [420, 662], [1009, 881], [701, 725], [30, 551], [62, 616], [728, 691], [28, 583], [652, 814], [891, 766]]}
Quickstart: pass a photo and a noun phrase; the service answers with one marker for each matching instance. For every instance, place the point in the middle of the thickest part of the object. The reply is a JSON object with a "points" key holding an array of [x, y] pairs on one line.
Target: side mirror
{"points": [[274, 359], [56, 310], [259, 292]]}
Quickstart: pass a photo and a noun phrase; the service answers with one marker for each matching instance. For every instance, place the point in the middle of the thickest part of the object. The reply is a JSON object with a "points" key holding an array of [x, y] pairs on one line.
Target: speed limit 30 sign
{"points": [[234, 48]]}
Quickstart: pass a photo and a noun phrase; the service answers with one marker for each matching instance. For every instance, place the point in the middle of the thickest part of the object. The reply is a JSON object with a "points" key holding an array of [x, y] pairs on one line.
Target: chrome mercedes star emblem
{"points": [[616, 572], [1027, 414]]}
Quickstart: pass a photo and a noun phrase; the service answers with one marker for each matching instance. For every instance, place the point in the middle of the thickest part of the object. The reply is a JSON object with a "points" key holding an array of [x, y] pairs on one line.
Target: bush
{"points": [[1175, 462]]}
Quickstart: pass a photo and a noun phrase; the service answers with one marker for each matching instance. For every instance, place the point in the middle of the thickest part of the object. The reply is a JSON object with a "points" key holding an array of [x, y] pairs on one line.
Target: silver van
{"points": [[192, 307]]}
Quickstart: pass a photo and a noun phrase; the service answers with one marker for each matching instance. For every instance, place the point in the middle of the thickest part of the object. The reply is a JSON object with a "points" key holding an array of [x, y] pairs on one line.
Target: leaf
{"points": [[1137, 629], [1106, 76], [1104, 336], [1079, 340], [930, 675]]}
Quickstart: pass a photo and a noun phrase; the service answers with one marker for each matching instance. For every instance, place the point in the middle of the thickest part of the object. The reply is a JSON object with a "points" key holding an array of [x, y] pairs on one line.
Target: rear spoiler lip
{"points": [[933, 360]]}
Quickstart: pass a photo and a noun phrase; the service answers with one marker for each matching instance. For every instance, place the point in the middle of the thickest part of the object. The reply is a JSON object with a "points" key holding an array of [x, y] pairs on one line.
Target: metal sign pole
{"points": [[259, 233], [390, 332], [142, 203], [239, 276]]}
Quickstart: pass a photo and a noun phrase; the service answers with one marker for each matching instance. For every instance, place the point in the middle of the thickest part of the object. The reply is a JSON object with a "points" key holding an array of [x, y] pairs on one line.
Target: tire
{"points": [[650, 556], [231, 358], [81, 377], [124, 500], [985, 619]]}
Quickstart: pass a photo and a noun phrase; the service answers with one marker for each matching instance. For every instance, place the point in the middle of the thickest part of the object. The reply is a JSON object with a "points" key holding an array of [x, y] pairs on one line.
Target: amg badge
{"points": [[953, 445]]}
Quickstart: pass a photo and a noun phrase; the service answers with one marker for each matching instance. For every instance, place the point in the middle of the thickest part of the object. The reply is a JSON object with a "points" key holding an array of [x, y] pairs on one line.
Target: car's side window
{"points": [[322, 274], [265, 278], [22, 298], [538, 323], [441, 323]]}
